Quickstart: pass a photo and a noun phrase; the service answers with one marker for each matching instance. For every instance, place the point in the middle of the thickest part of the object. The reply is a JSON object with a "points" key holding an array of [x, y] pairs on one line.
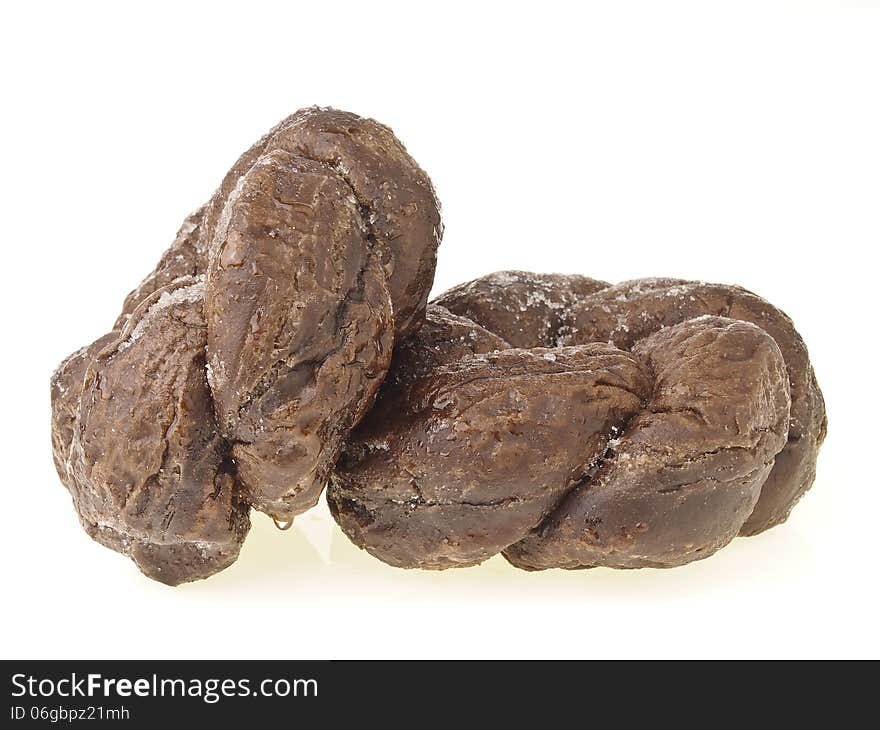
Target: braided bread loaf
{"points": [[559, 420], [240, 365], [569, 423]]}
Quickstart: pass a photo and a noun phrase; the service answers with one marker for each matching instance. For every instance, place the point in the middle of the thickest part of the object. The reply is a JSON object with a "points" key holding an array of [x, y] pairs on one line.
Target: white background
{"points": [[736, 143]]}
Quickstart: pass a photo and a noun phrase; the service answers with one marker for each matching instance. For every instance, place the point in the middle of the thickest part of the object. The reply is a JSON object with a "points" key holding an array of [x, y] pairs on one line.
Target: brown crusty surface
{"points": [[317, 249], [300, 327], [727, 403], [397, 202], [683, 475], [443, 338], [187, 256], [136, 443], [454, 465], [625, 313], [628, 312], [399, 208], [526, 308]]}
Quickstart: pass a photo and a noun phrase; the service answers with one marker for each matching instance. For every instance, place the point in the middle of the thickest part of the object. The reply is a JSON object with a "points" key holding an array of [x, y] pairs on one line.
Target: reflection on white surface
{"points": [[314, 555]]}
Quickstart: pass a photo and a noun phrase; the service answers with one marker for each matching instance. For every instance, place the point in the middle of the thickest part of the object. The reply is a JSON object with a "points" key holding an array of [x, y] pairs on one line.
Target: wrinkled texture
{"points": [[527, 309], [285, 339], [137, 446], [319, 248], [443, 338], [453, 466], [398, 205], [187, 256], [300, 328], [628, 312], [238, 367], [625, 313], [724, 398], [680, 480]]}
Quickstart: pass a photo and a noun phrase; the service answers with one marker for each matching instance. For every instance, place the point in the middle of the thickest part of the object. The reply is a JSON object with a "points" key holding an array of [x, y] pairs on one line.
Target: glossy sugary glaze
{"points": [[238, 367], [285, 340], [570, 423]]}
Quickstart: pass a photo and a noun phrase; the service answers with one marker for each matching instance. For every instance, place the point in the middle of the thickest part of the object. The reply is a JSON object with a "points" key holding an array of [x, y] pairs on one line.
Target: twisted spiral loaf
{"points": [[570, 423], [239, 366], [285, 340]]}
